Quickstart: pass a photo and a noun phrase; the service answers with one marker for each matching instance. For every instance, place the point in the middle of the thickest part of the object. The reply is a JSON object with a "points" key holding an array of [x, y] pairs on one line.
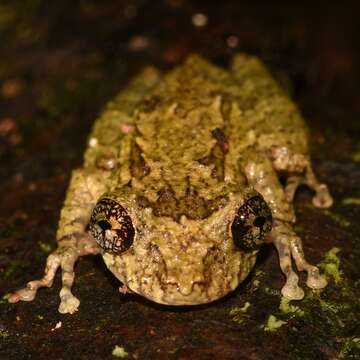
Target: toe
{"points": [[292, 292], [316, 282], [69, 305], [322, 198]]}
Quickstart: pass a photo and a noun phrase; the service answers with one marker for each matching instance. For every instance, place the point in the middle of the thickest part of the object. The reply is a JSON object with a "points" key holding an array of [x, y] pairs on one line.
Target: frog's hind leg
{"points": [[65, 257], [322, 197], [292, 183], [299, 171]]}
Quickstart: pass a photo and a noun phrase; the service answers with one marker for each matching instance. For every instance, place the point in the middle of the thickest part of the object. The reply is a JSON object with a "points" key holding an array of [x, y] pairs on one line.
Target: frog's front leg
{"points": [[262, 176], [289, 245], [73, 240]]}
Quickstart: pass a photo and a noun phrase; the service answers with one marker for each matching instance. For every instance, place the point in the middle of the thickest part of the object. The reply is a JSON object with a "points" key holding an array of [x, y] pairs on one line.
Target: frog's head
{"points": [[180, 261]]}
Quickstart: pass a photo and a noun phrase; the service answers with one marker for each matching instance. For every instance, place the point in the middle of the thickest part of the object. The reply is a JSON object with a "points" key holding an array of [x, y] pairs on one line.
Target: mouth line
{"points": [[175, 297], [185, 291]]}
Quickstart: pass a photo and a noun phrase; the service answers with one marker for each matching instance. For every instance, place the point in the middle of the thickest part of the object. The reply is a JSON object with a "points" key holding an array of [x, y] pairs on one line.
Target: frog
{"points": [[186, 175]]}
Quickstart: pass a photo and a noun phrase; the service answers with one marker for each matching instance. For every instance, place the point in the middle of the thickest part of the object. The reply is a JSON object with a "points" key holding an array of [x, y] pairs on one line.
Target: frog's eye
{"points": [[111, 226], [253, 221]]}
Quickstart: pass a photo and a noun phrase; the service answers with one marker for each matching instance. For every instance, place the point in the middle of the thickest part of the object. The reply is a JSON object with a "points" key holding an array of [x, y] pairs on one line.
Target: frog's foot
{"points": [[289, 246], [314, 279], [322, 198], [65, 257], [291, 289]]}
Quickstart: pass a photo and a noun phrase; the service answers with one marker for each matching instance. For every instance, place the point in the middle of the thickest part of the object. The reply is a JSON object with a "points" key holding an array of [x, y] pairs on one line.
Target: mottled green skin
{"points": [[155, 152]]}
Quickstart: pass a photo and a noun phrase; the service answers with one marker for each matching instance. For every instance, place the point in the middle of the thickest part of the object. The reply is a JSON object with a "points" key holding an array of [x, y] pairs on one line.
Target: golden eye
{"points": [[252, 223], [111, 226]]}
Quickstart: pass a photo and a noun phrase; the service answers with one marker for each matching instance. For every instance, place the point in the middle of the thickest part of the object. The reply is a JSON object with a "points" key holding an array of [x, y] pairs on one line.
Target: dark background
{"points": [[60, 61]]}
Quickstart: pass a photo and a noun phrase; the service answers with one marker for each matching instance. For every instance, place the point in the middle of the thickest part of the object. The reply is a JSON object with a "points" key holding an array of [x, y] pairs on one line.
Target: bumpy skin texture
{"points": [[183, 155]]}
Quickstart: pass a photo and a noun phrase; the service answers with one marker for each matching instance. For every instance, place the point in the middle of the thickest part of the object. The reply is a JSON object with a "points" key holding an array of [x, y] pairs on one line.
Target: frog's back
{"points": [[176, 134], [250, 100], [179, 128]]}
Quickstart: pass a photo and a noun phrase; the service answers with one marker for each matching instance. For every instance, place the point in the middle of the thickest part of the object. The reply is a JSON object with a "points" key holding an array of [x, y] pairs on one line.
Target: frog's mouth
{"points": [[156, 284], [196, 294]]}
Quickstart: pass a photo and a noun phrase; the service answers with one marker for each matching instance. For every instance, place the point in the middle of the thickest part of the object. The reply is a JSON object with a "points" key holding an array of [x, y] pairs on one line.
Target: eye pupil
{"points": [[259, 221], [104, 224]]}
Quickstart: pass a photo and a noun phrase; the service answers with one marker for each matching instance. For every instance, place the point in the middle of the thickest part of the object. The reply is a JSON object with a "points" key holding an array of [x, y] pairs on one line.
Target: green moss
{"points": [[46, 248], [257, 279], [119, 352], [273, 324], [287, 308], [238, 313], [329, 316], [350, 349], [331, 265], [4, 299], [4, 333], [255, 284], [274, 292], [351, 201]]}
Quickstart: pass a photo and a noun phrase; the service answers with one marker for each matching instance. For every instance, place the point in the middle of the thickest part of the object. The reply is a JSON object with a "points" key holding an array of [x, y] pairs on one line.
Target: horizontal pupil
{"points": [[105, 225]]}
